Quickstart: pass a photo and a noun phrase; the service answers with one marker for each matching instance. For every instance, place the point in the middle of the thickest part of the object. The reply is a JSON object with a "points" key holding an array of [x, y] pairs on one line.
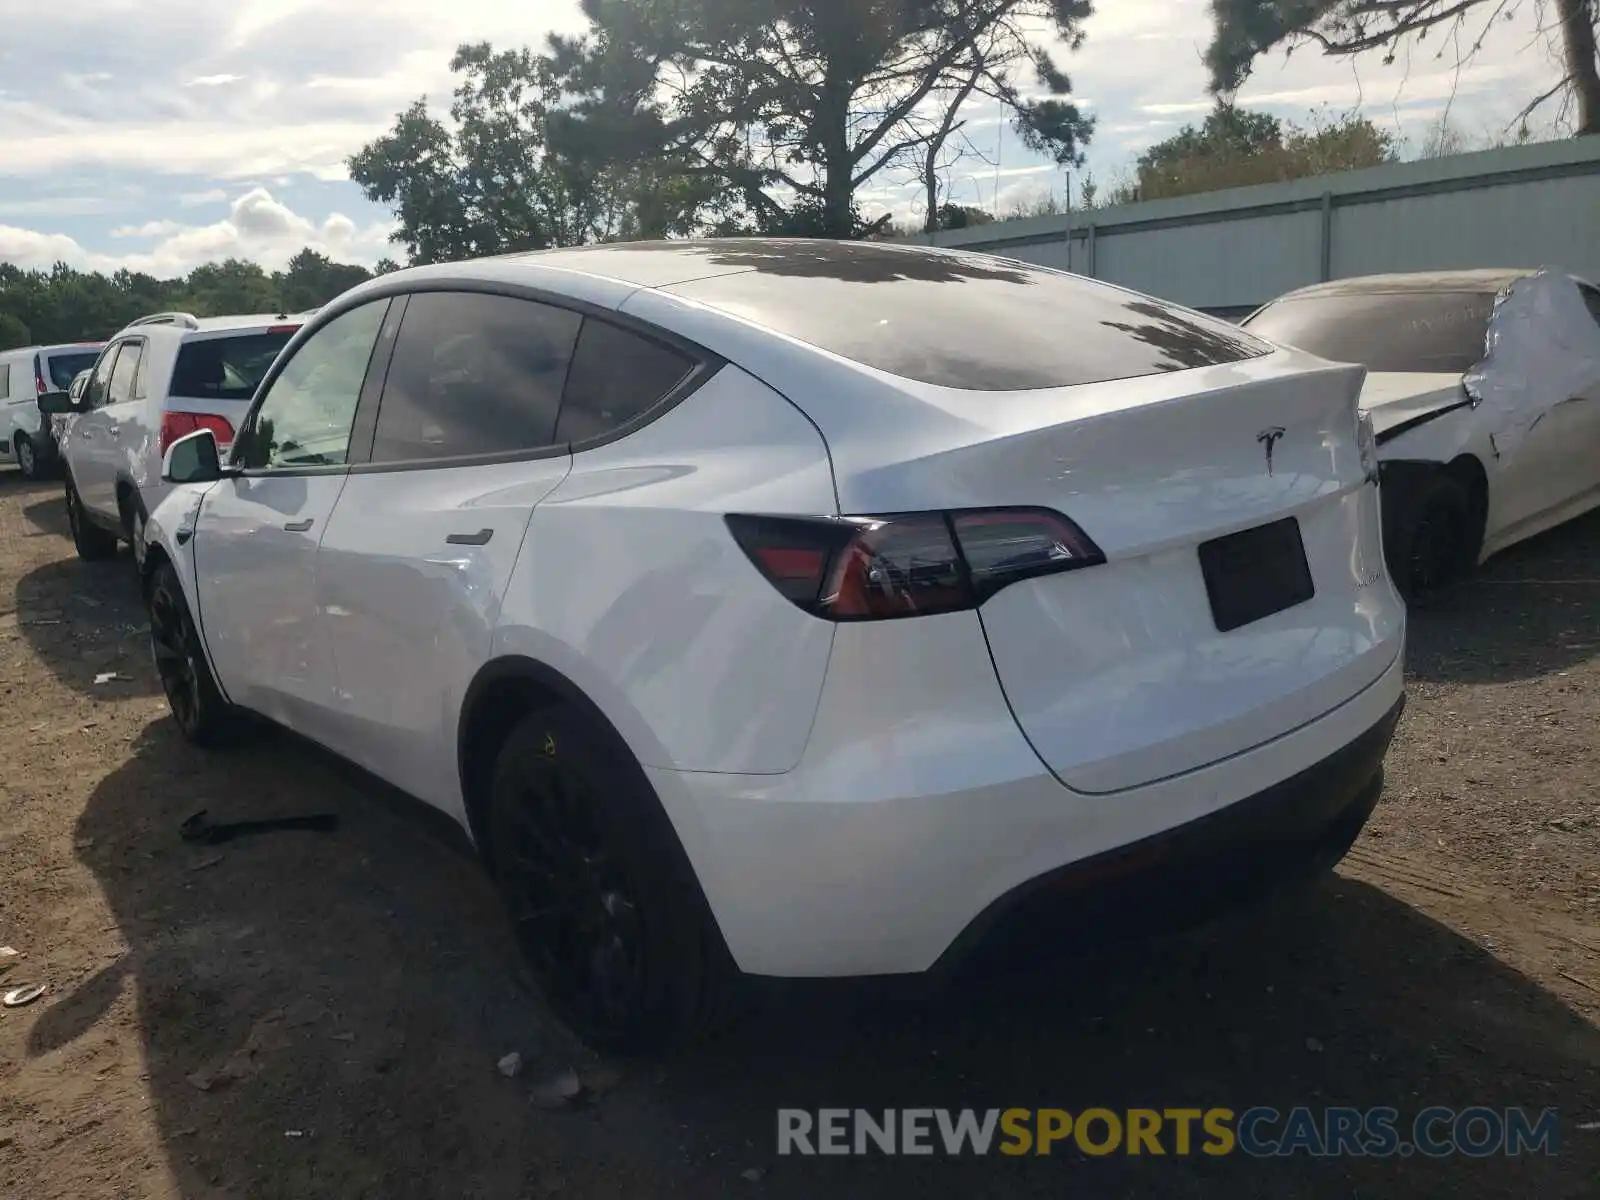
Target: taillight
{"points": [[38, 375], [175, 425], [909, 564]]}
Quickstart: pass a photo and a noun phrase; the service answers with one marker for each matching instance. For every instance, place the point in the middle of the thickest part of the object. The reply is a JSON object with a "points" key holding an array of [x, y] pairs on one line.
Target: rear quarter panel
{"points": [[630, 584]]}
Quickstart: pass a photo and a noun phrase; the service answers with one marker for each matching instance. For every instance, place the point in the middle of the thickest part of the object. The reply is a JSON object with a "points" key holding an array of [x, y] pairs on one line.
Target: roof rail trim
{"points": [[186, 320]]}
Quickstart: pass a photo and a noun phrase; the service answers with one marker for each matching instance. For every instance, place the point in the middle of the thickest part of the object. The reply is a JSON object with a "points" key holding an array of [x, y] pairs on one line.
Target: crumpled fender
{"points": [[1541, 350]]}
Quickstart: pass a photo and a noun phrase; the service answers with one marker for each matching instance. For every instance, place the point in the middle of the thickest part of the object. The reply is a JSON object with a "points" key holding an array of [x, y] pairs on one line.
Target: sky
{"points": [[159, 135]]}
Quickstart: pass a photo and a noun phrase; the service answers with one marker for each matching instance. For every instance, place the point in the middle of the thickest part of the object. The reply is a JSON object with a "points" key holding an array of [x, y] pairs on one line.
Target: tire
{"points": [[92, 543], [134, 520], [603, 902], [197, 705], [1427, 536], [27, 458]]}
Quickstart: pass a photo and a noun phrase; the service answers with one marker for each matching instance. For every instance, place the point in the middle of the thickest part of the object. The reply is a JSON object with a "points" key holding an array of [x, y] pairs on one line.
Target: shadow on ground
{"points": [[49, 515], [381, 947], [84, 620], [1530, 611]]}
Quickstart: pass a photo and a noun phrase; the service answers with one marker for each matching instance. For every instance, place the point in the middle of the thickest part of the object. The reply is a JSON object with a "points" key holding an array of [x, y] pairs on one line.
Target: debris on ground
{"points": [[26, 994], [1314, 1045], [201, 829], [209, 860], [560, 1091], [107, 677], [753, 1174], [510, 1066]]}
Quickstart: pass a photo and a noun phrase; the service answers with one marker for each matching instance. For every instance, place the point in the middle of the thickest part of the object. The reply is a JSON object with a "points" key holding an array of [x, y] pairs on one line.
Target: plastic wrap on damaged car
{"points": [[1541, 349]]}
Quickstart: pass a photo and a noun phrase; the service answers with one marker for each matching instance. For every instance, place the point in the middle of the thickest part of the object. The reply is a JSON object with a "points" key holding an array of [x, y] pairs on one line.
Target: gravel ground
{"points": [[344, 997]]}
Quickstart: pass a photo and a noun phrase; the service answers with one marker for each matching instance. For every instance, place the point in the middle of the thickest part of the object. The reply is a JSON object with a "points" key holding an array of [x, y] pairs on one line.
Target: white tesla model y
{"points": [[798, 608]]}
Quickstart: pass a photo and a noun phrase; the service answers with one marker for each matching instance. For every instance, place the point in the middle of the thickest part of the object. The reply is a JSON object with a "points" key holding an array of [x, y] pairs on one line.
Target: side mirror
{"points": [[53, 404], [193, 458]]}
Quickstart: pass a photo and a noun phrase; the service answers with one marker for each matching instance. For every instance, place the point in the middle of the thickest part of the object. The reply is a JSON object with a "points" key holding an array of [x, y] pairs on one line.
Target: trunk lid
{"points": [[1395, 398], [1139, 669]]}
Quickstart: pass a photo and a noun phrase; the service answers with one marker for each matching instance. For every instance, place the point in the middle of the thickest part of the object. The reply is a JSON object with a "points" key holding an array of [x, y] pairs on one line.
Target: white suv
{"points": [[25, 376], [798, 608], [163, 376]]}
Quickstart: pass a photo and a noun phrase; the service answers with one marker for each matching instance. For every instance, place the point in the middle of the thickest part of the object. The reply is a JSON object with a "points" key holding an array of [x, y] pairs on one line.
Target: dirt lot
{"points": [[364, 986]]}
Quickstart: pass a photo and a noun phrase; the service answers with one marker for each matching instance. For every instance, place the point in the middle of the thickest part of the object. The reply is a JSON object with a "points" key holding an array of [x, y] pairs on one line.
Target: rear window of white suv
{"points": [[226, 368], [970, 322]]}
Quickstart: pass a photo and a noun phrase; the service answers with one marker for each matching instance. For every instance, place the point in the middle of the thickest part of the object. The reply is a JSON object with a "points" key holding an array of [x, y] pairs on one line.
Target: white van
{"points": [[25, 375]]}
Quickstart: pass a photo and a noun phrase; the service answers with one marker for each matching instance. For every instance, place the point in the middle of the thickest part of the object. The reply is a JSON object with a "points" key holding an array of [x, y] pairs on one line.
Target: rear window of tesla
{"points": [[225, 368], [972, 323], [1384, 331], [61, 369]]}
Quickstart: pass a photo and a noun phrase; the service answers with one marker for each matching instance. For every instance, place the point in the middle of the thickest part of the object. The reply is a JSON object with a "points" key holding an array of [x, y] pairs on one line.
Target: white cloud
{"points": [[192, 199], [214, 80], [257, 227], [150, 229]]}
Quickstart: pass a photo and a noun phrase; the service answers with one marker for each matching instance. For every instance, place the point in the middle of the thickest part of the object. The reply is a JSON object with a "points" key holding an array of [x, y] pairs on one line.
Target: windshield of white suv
{"points": [[226, 368]]}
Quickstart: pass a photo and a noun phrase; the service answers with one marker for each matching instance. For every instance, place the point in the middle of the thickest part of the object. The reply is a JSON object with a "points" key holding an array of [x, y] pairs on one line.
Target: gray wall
{"points": [[1229, 251]]}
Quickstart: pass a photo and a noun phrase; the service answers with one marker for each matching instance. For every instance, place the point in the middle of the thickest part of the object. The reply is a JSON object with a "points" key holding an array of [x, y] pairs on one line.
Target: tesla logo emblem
{"points": [[1268, 439]]}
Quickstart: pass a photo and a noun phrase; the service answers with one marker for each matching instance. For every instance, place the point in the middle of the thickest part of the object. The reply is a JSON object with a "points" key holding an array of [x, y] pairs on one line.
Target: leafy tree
{"points": [[963, 216], [1088, 192], [489, 181], [13, 333], [1234, 147], [775, 113], [67, 305], [313, 279], [1246, 29], [231, 286]]}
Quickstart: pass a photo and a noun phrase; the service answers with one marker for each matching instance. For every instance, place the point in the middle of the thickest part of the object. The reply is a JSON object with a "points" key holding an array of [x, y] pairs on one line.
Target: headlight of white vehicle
{"points": [[1368, 441]]}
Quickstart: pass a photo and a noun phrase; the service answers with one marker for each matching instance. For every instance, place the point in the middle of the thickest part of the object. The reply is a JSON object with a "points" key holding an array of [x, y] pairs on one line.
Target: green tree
{"points": [[963, 216], [490, 181], [775, 113], [312, 279], [67, 305], [1234, 147], [231, 286], [1246, 29], [13, 333]]}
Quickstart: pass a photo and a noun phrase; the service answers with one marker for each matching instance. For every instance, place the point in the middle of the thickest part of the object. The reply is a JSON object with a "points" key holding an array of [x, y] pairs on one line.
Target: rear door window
{"points": [[226, 367], [5, 380], [1384, 331], [959, 321], [474, 374], [616, 376]]}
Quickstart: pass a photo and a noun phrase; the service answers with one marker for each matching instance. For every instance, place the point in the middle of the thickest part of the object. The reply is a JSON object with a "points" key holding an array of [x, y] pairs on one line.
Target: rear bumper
{"points": [[863, 863], [1178, 878]]}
